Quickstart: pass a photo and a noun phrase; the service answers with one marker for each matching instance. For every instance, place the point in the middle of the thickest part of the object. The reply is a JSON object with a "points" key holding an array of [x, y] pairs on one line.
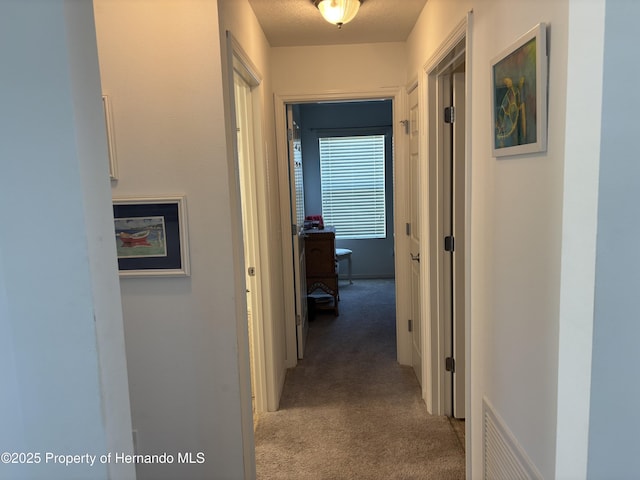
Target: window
{"points": [[353, 185]]}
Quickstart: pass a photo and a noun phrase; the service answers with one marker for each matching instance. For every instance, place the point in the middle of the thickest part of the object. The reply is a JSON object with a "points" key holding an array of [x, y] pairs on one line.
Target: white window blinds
{"points": [[352, 183]]}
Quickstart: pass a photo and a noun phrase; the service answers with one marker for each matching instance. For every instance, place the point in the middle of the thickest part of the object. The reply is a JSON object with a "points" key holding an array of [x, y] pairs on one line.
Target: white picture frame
{"points": [[152, 236], [111, 142], [519, 95]]}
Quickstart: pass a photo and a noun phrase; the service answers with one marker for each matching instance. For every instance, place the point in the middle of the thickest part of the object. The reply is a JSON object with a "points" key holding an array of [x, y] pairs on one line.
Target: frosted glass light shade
{"points": [[338, 12]]}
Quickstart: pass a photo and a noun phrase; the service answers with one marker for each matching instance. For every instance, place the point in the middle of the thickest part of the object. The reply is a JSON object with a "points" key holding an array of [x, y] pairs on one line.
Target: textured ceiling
{"points": [[298, 22]]}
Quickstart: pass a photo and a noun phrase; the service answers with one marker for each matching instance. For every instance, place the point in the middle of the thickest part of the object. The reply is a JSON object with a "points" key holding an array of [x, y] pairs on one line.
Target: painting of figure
{"points": [[516, 100], [519, 95]]}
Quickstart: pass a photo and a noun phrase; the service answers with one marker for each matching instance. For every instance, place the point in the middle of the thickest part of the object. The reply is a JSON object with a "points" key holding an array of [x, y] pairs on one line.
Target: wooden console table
{"points": [[320, 258]]}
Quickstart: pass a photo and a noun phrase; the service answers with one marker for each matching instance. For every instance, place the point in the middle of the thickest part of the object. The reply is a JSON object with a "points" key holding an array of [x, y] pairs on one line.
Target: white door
{"points": [[452, 227], [458, 223], [414, 235], [297, 228], [244, 135]]}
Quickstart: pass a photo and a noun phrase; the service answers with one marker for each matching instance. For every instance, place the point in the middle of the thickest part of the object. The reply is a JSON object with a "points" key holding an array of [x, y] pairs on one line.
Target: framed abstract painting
{"points": [[519, 95]]}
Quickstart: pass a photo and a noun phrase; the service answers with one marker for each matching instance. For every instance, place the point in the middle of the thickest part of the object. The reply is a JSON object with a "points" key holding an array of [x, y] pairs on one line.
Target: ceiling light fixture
{"points": [[338, 12]]}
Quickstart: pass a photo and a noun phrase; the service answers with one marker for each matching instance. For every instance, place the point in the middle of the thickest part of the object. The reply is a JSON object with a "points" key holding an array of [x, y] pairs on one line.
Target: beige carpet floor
{"points": [[349, 411]]}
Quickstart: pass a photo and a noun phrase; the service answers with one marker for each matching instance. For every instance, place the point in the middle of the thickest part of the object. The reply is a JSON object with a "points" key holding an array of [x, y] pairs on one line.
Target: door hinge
{"points": [[408, 229], [251, 271], [294, 229], [289, 134], [449, 243], [450, 364], [410, 325], [405, 124], [449, 114], [298, 320]]}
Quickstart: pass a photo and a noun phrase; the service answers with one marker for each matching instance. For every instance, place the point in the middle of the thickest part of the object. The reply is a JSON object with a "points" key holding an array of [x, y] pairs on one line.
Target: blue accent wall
{"points": [[615, 390], [371, 258]]}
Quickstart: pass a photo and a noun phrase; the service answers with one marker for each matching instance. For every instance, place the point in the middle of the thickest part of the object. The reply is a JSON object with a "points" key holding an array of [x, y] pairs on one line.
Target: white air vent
{"points": [[504, 459]]}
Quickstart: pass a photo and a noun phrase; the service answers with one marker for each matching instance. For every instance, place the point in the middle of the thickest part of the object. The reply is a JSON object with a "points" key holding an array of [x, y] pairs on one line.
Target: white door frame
{"points": [[433, 335], [298, 241], [412, 126], [398, 97], [266, 388]]}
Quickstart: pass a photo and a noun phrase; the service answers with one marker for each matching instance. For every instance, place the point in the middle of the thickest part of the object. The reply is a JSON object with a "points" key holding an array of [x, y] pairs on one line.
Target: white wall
{"points": [[435, 23], [515, 232], [325, 69], [160, 63], [582, 158], [517, 257], [91, 144], [60, 312]]}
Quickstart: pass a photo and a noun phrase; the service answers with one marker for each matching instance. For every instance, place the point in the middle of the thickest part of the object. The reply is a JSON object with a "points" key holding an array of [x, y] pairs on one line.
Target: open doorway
{"points": [[347, 169], [339, 119]]}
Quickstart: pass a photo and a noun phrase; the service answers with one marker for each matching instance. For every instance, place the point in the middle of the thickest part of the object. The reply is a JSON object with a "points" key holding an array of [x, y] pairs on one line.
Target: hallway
{"points": [[349, 411]]}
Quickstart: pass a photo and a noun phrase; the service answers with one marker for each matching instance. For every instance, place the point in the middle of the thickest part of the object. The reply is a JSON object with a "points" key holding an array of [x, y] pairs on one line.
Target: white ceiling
{"points": [[299, 23]]}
